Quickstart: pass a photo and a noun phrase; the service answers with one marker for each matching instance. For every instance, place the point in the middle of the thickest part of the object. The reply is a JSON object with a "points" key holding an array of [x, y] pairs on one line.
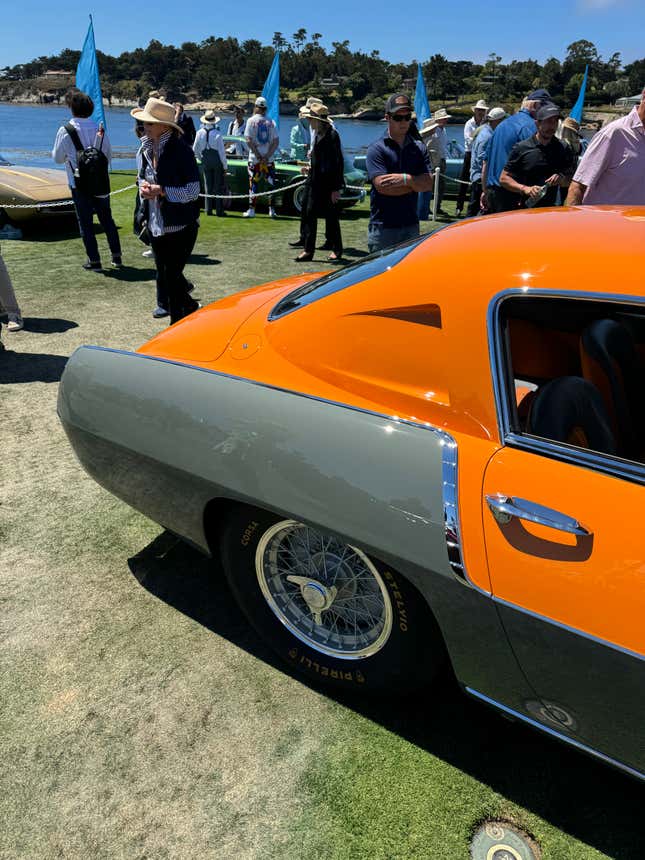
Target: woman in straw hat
{"points": [[325, 179], [169, 188]]}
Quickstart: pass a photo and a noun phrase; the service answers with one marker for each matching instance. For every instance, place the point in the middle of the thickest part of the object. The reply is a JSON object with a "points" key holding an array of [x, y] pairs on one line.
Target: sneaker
{"points": [[148, 253], [92, 267], [159, 312], [15, 323], [116, 262], [250, 213], [272, 212]]}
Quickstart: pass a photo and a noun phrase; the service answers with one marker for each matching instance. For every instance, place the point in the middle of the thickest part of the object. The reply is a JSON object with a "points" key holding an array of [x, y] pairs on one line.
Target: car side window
{"points": [[570, 379]]}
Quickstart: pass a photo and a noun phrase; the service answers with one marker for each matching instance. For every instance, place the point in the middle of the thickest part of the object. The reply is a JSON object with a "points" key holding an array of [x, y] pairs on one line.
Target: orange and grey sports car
{"points": [[30, 188], [435, 455]]}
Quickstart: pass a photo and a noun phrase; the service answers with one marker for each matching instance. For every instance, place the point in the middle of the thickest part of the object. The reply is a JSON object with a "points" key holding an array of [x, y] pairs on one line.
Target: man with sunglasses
{"points": [[398, 166]]}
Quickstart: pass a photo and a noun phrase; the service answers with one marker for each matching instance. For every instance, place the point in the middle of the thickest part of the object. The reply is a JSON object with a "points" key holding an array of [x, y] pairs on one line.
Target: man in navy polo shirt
{"points": [[512, 130], [398, 167]]}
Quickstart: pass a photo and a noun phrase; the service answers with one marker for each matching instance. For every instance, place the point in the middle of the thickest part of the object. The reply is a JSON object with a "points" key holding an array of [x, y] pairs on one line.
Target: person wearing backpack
{"points": [[209, 150], [85, 150]]}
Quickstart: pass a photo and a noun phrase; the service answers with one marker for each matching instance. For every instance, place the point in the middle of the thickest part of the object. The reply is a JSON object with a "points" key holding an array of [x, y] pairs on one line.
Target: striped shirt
{"points": [[173, 193]]}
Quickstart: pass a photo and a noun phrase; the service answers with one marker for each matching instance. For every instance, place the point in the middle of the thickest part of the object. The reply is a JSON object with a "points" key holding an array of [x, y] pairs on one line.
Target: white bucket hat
{"points": [[481, 105]]}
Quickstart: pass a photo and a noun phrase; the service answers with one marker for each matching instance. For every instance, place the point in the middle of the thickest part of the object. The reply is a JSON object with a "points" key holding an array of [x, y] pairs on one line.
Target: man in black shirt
{"points": [[538, 161]]}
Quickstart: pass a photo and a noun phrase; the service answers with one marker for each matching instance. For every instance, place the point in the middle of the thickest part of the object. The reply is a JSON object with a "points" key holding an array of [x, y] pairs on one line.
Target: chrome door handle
{"points": [[505, 508]]}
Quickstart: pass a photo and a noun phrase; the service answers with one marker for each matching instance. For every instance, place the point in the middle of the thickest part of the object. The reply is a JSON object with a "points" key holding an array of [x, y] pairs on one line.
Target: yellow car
{"points": [[32, 185]]}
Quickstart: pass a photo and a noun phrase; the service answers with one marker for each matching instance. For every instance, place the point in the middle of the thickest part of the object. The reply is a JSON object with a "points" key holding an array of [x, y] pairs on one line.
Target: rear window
{"points": [[369, 267]]}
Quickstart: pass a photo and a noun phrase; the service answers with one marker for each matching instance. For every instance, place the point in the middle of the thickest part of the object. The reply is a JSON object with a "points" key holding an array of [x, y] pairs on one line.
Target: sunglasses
{"points": [[401, 117]]}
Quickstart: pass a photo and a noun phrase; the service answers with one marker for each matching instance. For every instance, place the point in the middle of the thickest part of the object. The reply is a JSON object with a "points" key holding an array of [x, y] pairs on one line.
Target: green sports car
{"points": [[287, 174]]}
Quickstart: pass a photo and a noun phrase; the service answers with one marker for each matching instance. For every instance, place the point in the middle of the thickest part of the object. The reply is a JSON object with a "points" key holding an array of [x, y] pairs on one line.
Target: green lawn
{"points": [[141, 718]]}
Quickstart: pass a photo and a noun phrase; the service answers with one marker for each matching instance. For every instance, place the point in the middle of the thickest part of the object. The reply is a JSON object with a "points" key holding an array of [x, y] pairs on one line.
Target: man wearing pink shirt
{"points": [[612, 170]]}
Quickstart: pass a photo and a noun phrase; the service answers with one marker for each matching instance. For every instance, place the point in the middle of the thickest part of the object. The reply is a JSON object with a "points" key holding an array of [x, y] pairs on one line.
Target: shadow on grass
{"points": [[584, 799], [203, 260], [131, 274], [44, 325], [30, 366]]}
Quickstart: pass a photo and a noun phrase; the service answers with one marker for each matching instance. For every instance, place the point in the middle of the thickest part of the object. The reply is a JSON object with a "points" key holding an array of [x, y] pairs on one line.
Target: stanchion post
{"points": [[435, 193]]}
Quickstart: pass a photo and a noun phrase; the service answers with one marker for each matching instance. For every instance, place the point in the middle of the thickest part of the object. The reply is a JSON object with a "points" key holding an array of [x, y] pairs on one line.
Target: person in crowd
{"points": [[209, 150], [300, 138], [612, 170], [237, 125], [66, 151], [478, 153], [328, 244], [237, 128], [539, 165], [512, 130], [185, 123], [569, 132], [437, 145], [428, 128], [480, 111], [261, 136], [139, 132], [169, 183], [8, 302], [398, 166], [325, 180]]}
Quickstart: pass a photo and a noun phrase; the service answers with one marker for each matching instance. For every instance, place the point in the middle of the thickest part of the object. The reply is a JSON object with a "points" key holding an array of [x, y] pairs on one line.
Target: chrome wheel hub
{"points": [[327, 593]]}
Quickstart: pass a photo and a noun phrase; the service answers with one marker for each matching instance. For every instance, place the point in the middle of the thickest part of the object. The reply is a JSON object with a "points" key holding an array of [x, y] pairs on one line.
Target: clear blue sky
{"points": [[459, 29]]}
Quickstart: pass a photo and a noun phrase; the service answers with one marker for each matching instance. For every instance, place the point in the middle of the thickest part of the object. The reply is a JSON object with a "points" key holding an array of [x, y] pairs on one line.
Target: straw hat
{"points": [[481, 105], [429, 125], [210, 116], [320, 112], [442, 113], [571, 123], [157, 110]]}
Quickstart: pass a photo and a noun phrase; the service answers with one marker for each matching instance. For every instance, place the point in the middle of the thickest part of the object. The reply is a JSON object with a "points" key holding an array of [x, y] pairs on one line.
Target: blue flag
{"points": [[87, 75], [271, 91], [421, 106], [576, 110]]}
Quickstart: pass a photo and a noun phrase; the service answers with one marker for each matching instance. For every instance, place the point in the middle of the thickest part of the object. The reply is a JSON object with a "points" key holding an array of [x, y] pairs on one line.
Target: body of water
{"points": [[27, 133]]}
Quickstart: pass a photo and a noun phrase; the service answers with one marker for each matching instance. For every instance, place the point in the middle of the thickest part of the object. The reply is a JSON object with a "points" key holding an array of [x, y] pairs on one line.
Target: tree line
{"points": [[222, 67]]}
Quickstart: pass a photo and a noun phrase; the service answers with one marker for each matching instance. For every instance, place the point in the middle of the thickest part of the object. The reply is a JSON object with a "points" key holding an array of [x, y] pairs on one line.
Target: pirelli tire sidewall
{"points": [[408, 660]]}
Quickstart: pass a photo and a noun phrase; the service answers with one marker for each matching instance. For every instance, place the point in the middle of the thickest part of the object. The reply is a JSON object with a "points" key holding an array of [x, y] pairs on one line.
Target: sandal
{"points": [[334, 257], [304, 257]]}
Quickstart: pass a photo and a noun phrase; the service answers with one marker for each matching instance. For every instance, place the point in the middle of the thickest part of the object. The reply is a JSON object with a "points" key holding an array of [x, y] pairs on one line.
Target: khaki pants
{"points": [[8, 301]]}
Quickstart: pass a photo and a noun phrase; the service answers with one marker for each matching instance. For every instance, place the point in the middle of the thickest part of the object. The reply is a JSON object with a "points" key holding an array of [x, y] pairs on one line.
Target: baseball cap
{"points": [[260, 101], [546, 111], [398, 102], [496, 113], [539, 96]]}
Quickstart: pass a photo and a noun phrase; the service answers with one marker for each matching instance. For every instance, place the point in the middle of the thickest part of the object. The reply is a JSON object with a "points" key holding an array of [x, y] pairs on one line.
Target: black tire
{"points": [[4, 218], [298, 198], [408, 659]]}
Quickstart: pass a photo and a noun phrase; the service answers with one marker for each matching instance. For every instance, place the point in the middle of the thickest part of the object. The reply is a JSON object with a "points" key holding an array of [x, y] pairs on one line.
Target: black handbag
{"points": [[140, 220]]}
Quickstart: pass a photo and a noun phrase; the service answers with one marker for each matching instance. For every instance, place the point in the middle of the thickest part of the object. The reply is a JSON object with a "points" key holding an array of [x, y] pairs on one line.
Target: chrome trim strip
{"points": [[449, 457], [577, 632], [614, 466], [549, 731]]}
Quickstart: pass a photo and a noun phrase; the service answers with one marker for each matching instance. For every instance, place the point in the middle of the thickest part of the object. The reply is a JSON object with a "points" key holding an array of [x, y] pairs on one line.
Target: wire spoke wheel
{"points": [[326, 592]]}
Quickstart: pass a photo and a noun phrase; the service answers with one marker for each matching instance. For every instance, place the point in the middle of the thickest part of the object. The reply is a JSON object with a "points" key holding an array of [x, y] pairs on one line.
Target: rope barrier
{"points": [[58, 202], [270, 193]]}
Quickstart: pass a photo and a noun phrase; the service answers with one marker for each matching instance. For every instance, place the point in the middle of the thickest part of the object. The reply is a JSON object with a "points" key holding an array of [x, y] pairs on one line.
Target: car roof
{"points": [[583, 248]]}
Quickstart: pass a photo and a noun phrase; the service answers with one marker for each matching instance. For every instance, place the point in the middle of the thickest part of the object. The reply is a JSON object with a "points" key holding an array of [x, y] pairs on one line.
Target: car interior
{"points": [[577, 368]]}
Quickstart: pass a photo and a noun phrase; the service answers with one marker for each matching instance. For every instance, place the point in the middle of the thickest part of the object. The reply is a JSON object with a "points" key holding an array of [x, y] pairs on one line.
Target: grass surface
{"points": [[141, 718]]}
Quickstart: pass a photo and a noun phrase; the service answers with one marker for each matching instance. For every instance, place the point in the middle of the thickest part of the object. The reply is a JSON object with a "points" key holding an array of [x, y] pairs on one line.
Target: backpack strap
{"points": [[208, 131], [71, 131]]}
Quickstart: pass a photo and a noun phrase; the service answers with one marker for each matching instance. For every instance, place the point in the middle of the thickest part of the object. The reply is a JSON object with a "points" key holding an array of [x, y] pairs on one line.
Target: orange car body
{"points": [[546, 533]]}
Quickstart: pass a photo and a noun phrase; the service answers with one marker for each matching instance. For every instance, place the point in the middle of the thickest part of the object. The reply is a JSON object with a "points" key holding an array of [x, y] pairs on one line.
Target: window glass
{"points": [[576, 373]]}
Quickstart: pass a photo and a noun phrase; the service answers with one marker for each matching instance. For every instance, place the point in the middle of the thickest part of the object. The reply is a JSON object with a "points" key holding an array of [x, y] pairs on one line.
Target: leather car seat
{"points": [[610, 361], [570, 409]]}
